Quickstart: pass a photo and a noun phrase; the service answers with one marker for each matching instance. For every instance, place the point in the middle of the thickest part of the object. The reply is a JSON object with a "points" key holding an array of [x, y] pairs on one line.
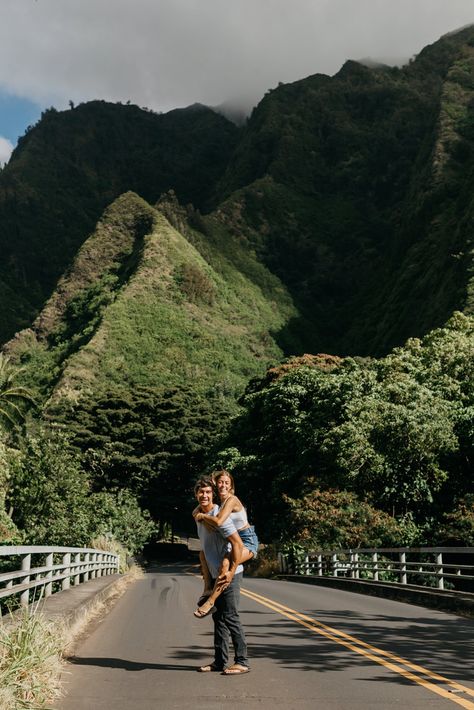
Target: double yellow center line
{"points": [[424, 677]]}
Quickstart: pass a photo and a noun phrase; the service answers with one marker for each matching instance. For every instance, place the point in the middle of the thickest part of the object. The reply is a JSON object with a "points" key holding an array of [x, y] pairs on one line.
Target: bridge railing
{"points": [[41, 570], [439, 567]]}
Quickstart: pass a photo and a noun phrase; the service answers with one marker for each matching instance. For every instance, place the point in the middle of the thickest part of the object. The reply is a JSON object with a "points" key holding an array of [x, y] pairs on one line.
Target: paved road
{"points": [[310, 647]]}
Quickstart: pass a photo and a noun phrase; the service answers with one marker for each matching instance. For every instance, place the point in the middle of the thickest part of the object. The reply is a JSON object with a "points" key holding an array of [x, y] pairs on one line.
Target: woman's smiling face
{"points": [[224, 485]]}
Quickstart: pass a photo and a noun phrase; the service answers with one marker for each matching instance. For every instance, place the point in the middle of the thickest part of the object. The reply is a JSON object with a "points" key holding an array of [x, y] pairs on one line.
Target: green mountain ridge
{"points": [[140, 306], [352, 190], [165, 278], [72, 164]]}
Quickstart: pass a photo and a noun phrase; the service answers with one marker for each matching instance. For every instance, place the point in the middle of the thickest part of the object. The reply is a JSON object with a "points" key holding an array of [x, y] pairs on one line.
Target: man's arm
{"points": [[201, 517]]}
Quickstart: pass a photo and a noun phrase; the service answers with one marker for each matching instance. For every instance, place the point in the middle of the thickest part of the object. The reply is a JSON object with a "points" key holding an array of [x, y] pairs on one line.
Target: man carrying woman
{"points": [[225, 613]]}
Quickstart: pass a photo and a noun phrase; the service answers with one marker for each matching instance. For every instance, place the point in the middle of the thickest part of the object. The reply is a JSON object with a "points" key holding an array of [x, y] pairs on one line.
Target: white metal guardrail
{"points": [[437, 567], [51, 569]]}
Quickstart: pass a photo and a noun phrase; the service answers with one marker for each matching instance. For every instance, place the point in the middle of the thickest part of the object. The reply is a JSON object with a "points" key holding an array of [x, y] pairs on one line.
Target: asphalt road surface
{"points": [[309, 647]]}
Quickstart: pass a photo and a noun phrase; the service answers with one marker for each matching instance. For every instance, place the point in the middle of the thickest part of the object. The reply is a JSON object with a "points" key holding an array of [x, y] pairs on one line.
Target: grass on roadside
{"points": [[30, 661], [33, 650]]}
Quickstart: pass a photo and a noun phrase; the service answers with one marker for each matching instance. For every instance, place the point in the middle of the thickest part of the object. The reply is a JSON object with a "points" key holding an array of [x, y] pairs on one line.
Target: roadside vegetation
{"points": [[33, 649], [362, 452], [30, 661]]}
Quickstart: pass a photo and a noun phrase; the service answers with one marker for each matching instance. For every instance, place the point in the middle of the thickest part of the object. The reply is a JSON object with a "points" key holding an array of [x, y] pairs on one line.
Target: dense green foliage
{"points": [[152, 442], [335, 519], [13, 397], [53, 503], [337, 219], [391, 431], [458, 525]]}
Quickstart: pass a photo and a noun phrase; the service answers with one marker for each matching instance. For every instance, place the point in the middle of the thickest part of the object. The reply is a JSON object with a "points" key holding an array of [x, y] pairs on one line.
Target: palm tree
{"points": [[12, 396]]}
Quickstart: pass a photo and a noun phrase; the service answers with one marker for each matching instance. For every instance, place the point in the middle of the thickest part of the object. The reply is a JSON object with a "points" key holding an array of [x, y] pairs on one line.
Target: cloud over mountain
{"points": [[175, 52], [5, 150]]}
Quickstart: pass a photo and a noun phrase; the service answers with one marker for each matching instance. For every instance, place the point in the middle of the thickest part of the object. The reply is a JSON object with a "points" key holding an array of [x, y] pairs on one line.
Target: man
{"points": [[226, 615]]}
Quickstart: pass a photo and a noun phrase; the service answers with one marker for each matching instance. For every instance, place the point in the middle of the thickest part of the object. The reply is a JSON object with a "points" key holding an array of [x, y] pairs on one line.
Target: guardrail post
{"points": [[48, 588], [281, 563], [334, 564], [77, 576], [25, 565], [319, 565], [375, 566], [66, 582], [356, 565], [306, 564], [403, 567], [85, 577], [439, 570]]}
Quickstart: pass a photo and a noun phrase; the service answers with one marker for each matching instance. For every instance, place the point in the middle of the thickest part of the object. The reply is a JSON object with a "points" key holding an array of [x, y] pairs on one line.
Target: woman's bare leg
{"points": [[223, 579], [206, 575]]}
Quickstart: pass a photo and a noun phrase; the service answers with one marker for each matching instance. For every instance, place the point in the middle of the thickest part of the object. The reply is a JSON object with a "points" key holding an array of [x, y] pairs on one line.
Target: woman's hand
{"points": [[199, 517]]}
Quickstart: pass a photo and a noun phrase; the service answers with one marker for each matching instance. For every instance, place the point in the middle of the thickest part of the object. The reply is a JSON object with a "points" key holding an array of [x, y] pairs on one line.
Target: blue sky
{"points": [[165, 54], [15, 115]]}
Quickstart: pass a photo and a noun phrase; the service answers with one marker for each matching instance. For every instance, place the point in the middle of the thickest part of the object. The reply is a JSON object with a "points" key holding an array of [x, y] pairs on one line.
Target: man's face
{"points": [[204, 497]]}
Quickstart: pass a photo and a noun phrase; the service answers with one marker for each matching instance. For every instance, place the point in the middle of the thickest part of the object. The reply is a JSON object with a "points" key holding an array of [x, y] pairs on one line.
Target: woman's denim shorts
{"points": [[250, 539]]}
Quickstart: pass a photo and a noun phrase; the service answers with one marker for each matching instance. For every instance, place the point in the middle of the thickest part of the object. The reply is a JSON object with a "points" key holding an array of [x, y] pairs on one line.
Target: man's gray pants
{"points": [[227, 625]]}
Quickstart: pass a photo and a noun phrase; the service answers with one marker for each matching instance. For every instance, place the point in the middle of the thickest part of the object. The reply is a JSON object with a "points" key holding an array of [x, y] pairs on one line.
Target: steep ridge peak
{"points": [[74, 163], [144, 305], [111, 251]]}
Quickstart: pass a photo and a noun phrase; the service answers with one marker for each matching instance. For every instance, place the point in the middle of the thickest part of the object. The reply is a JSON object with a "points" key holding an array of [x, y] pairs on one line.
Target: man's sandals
{"points": [[236, 669], [210, 668]]}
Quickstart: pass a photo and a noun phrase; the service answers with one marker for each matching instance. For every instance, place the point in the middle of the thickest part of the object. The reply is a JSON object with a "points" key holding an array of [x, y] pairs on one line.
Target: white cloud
{"points": [[5, 150], [168, 53]]}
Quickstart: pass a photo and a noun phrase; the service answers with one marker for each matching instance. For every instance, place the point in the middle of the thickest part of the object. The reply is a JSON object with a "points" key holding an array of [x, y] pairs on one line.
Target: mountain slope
{"points": [[354, 191], [141, 307], [72, 164], [358, 188]]}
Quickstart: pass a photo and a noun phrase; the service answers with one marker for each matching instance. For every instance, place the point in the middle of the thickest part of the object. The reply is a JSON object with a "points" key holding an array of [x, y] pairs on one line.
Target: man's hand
{"points": [[225, 578]]}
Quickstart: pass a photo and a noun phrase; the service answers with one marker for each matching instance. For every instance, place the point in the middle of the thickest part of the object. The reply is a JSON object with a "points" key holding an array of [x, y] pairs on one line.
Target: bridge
{"points": [[310, 646]]}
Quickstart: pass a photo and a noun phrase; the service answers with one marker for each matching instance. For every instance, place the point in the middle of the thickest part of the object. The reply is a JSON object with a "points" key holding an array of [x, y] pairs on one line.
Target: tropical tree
{"points": [[53, 503], [13, 397], [397, 432]]}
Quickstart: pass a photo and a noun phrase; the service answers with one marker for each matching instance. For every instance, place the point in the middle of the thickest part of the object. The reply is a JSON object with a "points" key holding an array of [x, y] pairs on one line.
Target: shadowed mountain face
{"points": [[68, 168], [349, 196]]}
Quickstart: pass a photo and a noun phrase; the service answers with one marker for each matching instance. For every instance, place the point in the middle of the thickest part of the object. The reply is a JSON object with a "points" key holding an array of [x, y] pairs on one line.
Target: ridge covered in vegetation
{"points": [[160, 268]]}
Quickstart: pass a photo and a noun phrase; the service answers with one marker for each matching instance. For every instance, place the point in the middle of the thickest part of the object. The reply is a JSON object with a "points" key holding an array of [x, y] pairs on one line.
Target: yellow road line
{"points": [[369, 652]]}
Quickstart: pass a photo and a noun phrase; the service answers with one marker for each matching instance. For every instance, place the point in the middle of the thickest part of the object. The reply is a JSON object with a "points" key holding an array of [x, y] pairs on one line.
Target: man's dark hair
{"points": [[205, 482]]}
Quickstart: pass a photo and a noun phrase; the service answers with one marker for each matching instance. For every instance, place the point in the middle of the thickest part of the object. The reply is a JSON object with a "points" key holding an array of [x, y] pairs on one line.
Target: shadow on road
{"points": [[444, 645], [128, 665]]}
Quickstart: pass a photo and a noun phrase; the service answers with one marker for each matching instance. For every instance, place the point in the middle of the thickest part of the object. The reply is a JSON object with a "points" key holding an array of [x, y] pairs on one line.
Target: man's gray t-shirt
{"points": [[214, 544]]}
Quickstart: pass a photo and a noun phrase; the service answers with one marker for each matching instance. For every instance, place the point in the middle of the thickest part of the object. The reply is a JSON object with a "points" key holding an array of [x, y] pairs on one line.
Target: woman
{"points": [[244, 542]]}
